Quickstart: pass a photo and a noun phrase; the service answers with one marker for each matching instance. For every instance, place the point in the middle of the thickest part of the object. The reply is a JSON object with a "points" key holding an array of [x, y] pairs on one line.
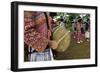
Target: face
{"points": [[27, 17], [28, 21]]}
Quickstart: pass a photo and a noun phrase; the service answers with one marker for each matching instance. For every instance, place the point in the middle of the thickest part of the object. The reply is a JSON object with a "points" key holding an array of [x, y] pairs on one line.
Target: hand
{"points": [[53, 44]]}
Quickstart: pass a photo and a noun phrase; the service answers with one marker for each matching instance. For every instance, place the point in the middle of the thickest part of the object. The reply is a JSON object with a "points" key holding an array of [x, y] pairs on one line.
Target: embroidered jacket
{"points": [[36, 32]]}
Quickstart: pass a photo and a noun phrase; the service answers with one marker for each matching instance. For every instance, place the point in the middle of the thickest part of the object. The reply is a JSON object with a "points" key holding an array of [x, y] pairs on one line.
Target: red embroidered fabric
{"points": [[36, 32]]}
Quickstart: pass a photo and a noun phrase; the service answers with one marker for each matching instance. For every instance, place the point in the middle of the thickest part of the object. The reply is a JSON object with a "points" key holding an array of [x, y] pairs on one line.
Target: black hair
{"points": [[80, 20], [52, 14]]}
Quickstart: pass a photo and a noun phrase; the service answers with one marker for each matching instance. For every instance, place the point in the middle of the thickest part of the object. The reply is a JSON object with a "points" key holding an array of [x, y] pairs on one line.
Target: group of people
{"points": [[81, 30], [39, 46]]}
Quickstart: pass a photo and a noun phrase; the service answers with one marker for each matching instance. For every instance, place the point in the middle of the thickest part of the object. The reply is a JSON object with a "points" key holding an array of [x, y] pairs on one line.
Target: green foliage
{"points": [[71, 17]]}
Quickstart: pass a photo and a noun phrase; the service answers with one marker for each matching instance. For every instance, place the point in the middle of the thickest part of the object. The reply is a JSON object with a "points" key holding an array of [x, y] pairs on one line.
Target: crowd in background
{"points": [[81, 30]]}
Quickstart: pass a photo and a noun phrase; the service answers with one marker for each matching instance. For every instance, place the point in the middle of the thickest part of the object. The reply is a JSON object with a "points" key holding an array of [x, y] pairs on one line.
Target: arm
{"points": [[35, 40]]}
